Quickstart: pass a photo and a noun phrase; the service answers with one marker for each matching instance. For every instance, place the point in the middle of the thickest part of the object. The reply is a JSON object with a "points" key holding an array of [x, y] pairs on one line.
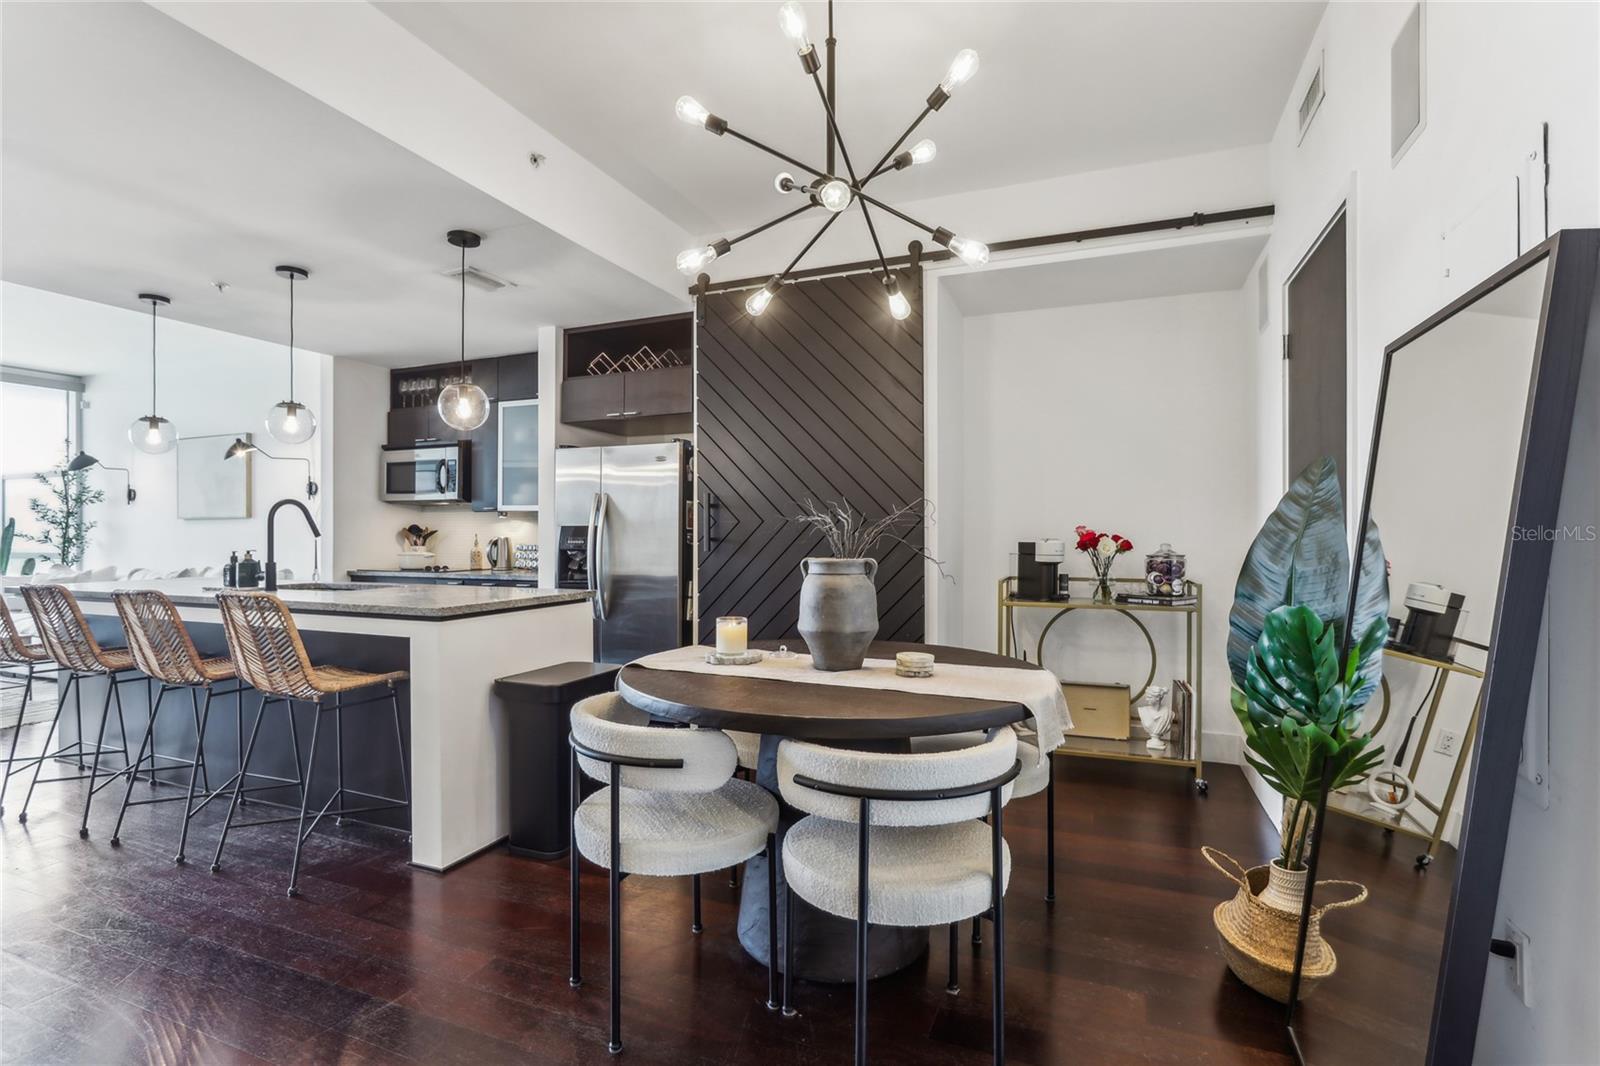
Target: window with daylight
{"points": [[39, 425]]}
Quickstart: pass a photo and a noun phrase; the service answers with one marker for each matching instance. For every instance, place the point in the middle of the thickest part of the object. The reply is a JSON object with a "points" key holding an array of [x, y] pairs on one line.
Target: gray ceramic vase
{"points": [[838, 611]]}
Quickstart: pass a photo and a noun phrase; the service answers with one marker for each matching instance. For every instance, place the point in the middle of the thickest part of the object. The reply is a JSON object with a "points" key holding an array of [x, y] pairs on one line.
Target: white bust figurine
{"points": [[1156, 717]]}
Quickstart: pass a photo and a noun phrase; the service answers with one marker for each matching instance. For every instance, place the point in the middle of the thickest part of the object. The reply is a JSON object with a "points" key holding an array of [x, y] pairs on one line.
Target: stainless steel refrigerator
{"points": [[624, 534]]}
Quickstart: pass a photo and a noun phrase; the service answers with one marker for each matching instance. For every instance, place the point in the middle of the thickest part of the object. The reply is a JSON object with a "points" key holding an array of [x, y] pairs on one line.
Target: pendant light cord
{"points": [[291, 338], [153, 407], [463, 362]]}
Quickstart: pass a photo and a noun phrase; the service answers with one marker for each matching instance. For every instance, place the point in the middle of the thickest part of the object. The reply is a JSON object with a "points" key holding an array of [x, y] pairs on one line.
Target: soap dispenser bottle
{"points": [[230, 571], [475, 560], [249, 572]]}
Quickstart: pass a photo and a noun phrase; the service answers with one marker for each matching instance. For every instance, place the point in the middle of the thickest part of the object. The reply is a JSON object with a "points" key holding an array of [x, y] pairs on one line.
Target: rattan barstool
{"points": [[16, 651], [73, 646], [163, 649], [270, 656]]}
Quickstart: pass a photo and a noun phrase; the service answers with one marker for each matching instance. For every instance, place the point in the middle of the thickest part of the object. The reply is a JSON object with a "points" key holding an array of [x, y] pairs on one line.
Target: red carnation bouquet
{"points": [[1102, 550]]}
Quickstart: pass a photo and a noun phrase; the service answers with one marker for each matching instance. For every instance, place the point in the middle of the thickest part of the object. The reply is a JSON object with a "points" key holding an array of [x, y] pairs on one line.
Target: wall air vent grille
{"points": [[480, 279], [1312, 100]]}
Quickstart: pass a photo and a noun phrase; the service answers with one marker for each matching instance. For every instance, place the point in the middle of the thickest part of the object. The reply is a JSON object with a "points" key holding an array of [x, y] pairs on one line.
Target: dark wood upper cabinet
{"points": [[650, 393], [592, 398], [407, 425], [518, 377], [483, 445]]}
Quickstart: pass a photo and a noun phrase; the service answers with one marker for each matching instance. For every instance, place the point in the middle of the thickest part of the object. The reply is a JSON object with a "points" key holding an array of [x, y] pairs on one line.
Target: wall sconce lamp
{"points": [[240, 446], [84, 461]]}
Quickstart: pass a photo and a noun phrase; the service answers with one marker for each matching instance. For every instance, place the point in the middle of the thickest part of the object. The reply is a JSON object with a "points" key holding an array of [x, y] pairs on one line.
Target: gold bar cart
{"points": [[1181, 751]]}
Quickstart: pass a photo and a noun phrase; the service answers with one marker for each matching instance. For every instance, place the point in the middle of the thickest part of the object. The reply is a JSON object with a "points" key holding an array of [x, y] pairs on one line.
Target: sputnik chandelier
{"points": [[825, 188]]}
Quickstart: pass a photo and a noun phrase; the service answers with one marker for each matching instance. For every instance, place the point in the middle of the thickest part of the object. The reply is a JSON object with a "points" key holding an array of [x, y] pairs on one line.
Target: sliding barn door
{"points": [[819, 398]]}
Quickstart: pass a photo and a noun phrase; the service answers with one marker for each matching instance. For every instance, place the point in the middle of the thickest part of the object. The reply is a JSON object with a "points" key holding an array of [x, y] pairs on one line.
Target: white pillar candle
{"points": [[732, 636]]}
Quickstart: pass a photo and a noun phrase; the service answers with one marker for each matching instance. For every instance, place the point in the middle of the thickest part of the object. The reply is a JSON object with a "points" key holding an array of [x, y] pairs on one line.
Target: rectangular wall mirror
{"points": [[1469, 446]]}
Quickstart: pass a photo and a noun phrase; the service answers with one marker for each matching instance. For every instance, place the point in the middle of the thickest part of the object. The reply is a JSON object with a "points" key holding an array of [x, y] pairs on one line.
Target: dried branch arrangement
{"points": [[851, 536]]}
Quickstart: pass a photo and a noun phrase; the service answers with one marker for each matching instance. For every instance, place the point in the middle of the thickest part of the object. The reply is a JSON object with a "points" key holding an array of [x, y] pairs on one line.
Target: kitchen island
{"points": [[454, 640]]}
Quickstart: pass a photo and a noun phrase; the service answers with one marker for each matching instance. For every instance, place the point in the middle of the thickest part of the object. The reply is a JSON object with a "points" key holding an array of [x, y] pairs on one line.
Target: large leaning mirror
{"points": [[1474, 413]]}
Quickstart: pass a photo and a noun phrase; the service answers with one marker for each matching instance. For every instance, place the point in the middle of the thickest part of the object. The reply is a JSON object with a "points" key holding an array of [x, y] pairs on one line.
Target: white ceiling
{"points": [[1062, 88], [1218, 261], [137, 155]]}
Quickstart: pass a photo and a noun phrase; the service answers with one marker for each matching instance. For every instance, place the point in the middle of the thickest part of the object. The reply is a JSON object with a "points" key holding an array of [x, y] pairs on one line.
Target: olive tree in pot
{"points": [[1300, 706], [839, 594]]}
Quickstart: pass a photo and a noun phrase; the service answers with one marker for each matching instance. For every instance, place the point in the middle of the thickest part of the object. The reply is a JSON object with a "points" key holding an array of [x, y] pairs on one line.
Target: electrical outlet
{"points": [[1521, 973], [1448, 742]]}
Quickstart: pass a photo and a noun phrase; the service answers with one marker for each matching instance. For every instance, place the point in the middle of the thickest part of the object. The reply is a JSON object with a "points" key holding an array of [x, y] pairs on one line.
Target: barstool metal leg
{"points": [[951, 986], [147, 741], [788, 952], [998, 895], [305, 797], [576, 977], [338, 756], [44, 752], [15, 733], [615, 1045], [194, 770], [199, 737], [94, 773], [772, 922], [1050, 832], [238, 783], [695, 926], [863, 838], [77, 709], [152, 707]]}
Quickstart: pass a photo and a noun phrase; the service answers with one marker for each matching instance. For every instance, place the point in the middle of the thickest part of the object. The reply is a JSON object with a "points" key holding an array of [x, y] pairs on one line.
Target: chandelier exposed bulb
{"points": [[921, 152], [971, 252], [899, 306], [962, 68], [792, 20], [692, 111], [690, 261], [759, 299], [834, 195]]}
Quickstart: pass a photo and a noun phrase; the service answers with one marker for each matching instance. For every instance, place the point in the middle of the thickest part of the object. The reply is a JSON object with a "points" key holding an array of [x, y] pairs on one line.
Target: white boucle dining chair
{"points": [[921, 857], [671, 808]]}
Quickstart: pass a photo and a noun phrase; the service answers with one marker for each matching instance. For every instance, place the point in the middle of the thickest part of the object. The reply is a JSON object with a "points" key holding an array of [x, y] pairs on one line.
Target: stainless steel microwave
{"points": [[431, 473]]}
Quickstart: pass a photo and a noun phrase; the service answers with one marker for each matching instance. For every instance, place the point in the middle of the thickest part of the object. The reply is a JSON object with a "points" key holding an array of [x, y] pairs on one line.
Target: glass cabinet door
{"points": [[519, 455]]}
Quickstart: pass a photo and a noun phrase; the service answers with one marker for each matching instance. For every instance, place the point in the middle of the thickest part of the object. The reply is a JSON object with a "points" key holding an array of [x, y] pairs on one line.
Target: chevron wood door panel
{"points": [[820, 398]]}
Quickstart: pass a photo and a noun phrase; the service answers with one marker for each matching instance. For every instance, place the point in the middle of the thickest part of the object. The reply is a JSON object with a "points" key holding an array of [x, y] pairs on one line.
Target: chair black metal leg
{"points": [[863, 837], [616, 910], [977, 930], [695, 925], [733, 877], [194, 770], [952, 986], [61, 705], [338, 756], [294, 743], [305, 798], [15, 733], [400, 739], [77, 709], [788, 952], [152, 706], [1050, 832], [238, 783], [772, 922], [576, 977], [94, 773], [998, 896], [146, 741]]}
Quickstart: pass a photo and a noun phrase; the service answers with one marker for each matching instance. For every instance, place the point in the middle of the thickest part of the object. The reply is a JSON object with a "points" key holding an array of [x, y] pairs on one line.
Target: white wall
{"points": [[1130, 416], [210, 382]]}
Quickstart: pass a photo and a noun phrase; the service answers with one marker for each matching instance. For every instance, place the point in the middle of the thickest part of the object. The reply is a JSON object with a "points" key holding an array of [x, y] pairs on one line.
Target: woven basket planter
{"points": [[1258, 941]]}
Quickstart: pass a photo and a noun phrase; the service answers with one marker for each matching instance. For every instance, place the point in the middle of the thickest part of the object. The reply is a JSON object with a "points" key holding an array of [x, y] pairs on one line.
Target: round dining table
{"points": [[862, 718]]}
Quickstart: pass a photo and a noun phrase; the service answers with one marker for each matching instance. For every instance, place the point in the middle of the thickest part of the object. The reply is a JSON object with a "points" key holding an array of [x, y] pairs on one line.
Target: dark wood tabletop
{"points": [[820, 712]]}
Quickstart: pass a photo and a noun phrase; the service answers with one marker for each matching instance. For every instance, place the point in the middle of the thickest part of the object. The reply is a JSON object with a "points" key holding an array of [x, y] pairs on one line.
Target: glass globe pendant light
{"points": [[152, 434], [290, 421], [463, 405]]}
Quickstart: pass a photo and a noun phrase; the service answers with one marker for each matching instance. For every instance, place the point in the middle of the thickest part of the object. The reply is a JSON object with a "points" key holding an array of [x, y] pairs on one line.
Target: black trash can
{"points": [[538, 703]]}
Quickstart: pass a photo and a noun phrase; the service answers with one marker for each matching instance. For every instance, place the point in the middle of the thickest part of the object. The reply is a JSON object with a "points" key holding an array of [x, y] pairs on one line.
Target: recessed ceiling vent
{"points": [[1312, 100], [480, 279]]}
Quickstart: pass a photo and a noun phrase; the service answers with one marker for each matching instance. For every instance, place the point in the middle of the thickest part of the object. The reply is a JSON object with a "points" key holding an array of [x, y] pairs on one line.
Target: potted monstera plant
{"points": [[1299, 697]]}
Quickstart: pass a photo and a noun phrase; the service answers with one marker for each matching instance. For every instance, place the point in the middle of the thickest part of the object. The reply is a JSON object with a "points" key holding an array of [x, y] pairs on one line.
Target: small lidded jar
{"points": [[1165, 571]]}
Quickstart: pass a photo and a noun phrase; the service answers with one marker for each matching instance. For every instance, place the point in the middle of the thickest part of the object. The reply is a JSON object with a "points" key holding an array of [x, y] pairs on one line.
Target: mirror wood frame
{"points": [[1569, 326]]}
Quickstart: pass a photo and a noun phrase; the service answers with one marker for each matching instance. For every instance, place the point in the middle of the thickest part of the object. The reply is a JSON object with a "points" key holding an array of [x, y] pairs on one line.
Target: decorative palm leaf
{"points": [[1300, 556], [1370, 622]]}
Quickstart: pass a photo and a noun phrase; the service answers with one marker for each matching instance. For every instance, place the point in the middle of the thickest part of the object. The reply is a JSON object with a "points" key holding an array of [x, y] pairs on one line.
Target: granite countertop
{"points": [[449, 575], [427, 603]]}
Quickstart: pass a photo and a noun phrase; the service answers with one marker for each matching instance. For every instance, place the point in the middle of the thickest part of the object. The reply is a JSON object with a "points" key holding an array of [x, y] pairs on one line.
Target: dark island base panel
{"points": [[371, 761]]}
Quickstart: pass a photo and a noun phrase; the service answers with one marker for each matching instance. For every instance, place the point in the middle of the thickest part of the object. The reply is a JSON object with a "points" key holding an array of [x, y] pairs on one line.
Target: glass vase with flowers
{"points": [[1102, 550]]}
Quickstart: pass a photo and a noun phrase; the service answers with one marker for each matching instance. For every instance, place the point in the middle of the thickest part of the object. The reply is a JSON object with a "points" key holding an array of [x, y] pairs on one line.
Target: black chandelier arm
{"points": [[802, 209], [752, 142], [832, 218], [933, 231], [844, 153], [883, 164]]}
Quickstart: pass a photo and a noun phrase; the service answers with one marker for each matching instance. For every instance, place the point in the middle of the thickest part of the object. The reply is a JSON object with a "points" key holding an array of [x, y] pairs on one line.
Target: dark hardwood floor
{"points": [[114, 955]]}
